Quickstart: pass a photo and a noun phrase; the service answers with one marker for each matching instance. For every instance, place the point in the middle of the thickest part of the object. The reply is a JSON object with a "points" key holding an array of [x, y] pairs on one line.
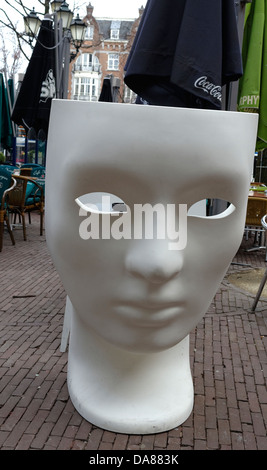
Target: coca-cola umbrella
{"points": [[253, 85], [184, 52], [33, 104]]}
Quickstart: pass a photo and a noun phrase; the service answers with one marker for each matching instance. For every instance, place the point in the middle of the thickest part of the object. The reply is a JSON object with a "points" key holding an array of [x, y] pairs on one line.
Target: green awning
{"points": [[252, 95]]}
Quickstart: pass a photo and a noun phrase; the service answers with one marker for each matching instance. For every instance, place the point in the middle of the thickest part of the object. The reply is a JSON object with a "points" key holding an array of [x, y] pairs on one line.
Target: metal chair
{"points": [[256, 209], [27, 196], [264, 278], [7, 184]]}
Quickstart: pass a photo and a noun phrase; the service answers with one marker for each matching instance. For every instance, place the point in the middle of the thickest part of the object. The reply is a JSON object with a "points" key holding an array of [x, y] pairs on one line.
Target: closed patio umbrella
{"points": [[184, 52], [11, 91], [106, 94], [32, 106], [6, 131], [253, 85]]}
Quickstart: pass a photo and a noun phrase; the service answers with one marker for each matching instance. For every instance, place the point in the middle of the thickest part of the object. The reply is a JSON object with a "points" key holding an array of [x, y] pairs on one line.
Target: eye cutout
{"points": [[106, 203], [101, 203], [211, 209]]}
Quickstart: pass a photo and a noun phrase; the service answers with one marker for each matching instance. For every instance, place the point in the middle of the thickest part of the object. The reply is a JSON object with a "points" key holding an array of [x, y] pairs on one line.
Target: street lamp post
{"points": [[77, 29], [67, 32], [32, 24], [55, 5]]}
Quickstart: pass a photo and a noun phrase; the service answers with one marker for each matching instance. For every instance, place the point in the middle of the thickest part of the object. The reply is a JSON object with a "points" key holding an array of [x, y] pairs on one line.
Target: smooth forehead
{"points": [[150, 140]]}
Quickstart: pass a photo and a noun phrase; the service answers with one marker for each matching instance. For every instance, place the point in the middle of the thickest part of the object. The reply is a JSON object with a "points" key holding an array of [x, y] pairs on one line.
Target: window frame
{"points": [[112, 59]]}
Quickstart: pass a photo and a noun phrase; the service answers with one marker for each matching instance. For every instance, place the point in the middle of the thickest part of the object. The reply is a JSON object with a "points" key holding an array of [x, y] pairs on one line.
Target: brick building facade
{"points": [[104, 53]]}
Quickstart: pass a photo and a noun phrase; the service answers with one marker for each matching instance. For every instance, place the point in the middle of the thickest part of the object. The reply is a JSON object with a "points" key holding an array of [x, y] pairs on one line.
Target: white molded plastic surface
{"points": [[132, 303]]}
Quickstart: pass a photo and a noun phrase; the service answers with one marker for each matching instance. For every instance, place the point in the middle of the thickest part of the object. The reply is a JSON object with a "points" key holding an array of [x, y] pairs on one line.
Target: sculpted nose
{"points": [[154, 262]]}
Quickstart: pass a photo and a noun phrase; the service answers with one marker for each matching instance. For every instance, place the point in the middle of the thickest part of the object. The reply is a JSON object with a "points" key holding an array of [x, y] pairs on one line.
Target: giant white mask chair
{"points": [[132, 302]]}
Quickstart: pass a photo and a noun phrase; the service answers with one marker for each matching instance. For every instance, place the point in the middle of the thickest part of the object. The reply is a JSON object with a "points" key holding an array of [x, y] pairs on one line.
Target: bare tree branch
{"points": [[18, 7], [10, 57], [13, 27]]}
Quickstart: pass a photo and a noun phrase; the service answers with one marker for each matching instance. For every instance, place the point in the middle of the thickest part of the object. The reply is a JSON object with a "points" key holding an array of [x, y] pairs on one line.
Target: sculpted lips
{"points": [[150, 314], [146, 305]]}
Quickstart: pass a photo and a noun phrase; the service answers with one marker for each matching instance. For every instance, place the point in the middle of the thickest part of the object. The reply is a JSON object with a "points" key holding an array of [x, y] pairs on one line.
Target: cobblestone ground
{"points": [[228, 359]]}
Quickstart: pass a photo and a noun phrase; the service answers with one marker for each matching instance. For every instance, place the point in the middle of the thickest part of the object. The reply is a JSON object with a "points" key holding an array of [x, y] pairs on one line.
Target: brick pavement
{"points": [[228, 359]]}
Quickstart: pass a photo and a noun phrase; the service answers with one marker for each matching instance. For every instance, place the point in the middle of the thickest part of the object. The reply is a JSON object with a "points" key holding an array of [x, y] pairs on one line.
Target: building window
{"points": [[87, 63], [115, 29], [89, 34], [114, 34], [113, 61], [86, 88]]}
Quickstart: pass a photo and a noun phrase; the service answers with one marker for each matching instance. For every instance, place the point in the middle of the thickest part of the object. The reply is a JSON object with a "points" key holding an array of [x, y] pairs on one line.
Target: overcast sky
{"points": [[102, 8], [115, 8]]}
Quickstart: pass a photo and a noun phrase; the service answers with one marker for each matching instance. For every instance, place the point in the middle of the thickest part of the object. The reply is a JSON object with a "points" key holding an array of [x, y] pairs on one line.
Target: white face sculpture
{"points": [[138, 294]]}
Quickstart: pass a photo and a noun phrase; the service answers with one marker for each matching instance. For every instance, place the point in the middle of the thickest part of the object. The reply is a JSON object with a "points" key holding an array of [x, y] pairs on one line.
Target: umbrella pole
{"points": [[66, 61], [57, 57], [62, 59]]}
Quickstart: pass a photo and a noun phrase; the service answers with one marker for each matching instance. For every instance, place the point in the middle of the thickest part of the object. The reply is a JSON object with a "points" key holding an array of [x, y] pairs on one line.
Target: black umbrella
{"points": [[184, 52], [32, 107], [106, 91]]}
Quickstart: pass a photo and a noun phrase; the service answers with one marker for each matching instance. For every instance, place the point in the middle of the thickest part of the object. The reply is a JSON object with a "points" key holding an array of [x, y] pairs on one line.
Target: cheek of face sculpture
{"points": [[137, 293]]}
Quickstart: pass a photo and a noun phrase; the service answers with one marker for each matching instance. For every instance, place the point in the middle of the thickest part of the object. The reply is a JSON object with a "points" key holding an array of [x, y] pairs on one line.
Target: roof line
{"points": [[114, 19]]}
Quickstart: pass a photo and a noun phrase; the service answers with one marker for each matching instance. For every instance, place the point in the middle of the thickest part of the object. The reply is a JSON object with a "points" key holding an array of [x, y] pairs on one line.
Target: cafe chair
{"points": [[264, 278], [26, 197], [7, 184], [256, 209]]}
